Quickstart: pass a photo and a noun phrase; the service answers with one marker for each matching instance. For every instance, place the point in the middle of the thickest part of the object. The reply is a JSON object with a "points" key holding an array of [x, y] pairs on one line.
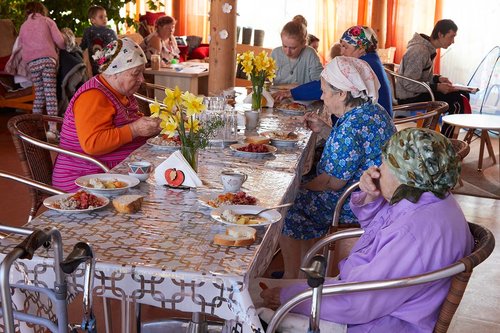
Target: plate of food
{"points": [[79, 202], [236, 214], [282, 138], [229, 198], [107, 183], [292, 109], [252, 150], [163, 142]]}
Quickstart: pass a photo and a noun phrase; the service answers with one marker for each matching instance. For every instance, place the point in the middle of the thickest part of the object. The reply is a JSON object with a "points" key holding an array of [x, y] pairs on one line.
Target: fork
{"points": [[267, 209]]}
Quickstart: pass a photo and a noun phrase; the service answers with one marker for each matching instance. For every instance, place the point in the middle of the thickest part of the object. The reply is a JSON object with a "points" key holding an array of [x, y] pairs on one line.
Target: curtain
{"points": [[333, 17], [193, 18]]}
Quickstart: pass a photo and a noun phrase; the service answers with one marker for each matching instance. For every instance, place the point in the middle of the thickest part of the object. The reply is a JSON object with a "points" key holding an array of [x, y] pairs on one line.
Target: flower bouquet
{"points": [[179, 114], [258, 69]]}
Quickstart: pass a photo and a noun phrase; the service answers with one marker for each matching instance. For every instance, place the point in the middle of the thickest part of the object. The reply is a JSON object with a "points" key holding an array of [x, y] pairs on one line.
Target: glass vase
{"points": [[257, 97], [191, 156]]}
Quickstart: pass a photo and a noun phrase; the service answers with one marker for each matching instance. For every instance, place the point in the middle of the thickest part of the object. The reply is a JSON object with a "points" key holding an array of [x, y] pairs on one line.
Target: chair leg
{"points": [[107, 314]]}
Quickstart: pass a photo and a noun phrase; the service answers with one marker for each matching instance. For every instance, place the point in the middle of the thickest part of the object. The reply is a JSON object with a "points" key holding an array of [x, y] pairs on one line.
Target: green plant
{"points": [[67, 13]]}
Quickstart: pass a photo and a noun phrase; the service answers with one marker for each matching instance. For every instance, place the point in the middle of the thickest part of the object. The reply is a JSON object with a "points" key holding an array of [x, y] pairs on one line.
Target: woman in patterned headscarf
{"points": [[102, 119], [412, 225], [350, 92]]}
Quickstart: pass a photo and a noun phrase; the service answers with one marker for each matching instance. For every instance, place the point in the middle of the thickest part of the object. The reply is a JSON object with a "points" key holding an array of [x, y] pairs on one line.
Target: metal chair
{"points": [[29, 135], [392, 80], [459, 272]]}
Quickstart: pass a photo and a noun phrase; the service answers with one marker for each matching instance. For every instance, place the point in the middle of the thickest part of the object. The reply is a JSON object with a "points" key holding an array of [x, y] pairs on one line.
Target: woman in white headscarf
{"points": [[350, 92], [103, 119]]}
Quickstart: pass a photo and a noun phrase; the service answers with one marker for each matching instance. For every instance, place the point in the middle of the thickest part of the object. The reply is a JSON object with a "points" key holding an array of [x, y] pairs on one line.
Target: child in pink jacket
{"points": [[39, 37]]}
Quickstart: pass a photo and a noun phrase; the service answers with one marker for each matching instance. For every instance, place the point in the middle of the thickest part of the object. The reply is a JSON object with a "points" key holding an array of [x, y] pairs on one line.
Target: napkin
{"points": [[178, 162], [267, 95]]}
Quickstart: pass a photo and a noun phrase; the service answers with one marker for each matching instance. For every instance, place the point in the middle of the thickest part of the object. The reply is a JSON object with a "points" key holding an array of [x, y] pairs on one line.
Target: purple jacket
{"points": [[400, 240]]}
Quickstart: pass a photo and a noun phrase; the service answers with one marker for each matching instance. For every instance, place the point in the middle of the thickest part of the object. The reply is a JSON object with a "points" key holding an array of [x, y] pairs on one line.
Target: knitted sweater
{"points": [[39, 37]]}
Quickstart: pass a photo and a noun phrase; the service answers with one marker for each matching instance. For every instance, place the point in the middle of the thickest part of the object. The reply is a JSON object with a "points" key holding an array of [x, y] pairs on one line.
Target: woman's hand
{"points": [[145, 126], [369, 183], [445, 88], [314, 122], [281, 95], [271, 298]]}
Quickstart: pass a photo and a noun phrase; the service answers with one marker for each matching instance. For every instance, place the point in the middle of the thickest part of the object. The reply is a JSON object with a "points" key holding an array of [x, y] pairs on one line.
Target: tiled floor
{"points": [[478, 311]]}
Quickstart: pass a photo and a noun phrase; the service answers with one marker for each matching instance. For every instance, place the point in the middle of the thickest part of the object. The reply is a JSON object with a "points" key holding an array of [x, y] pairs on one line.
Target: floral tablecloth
{"points": [[164, 255]]}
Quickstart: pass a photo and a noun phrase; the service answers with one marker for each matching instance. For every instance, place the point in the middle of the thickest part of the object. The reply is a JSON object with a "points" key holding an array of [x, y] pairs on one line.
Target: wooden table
{"points": [[164, 255], [196, 83], [483, 122]]}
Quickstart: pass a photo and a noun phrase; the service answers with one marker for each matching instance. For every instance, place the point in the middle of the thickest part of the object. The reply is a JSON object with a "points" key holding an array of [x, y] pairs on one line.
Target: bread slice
{"points": [[236, 236], [257, 139], [129, 203]]}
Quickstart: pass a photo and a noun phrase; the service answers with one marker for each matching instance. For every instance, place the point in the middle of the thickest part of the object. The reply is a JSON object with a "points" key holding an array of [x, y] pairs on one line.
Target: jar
{"points": [[155, 62]]}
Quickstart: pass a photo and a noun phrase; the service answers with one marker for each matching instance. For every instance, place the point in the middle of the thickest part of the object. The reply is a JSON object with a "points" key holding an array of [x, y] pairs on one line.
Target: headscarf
{"points": [[118, 56], [362, 37], [422, 160], [353, 75]]}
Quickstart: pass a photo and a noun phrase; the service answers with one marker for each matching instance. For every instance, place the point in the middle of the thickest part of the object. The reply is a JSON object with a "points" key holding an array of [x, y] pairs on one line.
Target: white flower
{"points": [[226, 8], [223, 34]]}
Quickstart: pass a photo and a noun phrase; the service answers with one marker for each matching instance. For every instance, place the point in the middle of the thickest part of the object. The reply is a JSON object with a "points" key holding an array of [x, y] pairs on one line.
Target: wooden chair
{"points": [[28, 133], [428, 113], [460, 272], [146, 96]]}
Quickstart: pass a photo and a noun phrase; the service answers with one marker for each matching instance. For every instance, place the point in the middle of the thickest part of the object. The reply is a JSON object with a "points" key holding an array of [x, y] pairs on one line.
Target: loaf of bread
{"points": [[257, 139], [236, 236], [129, 203]]}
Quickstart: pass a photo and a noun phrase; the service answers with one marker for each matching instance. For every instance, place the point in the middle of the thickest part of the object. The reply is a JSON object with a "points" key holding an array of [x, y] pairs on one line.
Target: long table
{"points": [[164, 255]]}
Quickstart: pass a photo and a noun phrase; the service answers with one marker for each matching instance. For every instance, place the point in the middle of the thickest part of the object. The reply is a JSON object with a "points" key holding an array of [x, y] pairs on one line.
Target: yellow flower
{"points": [[172, 97], [192, 103], [168, 124], [155, 109], [192, 125]]}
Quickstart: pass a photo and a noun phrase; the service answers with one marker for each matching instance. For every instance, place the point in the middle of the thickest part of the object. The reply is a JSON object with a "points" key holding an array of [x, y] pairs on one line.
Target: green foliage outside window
{"points": [[66, 13]]}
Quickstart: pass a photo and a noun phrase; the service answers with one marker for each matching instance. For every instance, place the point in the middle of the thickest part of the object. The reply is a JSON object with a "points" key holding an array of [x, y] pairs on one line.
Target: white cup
{"points": [[140, 170], [251, 119], [232, 180]]}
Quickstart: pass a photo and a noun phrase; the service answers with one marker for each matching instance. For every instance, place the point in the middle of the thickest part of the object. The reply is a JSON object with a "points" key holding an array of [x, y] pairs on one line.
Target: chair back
{"points": [[428, 113], [462, 148], [484, 243], [394, 77], [146, 95], [29, 135]]}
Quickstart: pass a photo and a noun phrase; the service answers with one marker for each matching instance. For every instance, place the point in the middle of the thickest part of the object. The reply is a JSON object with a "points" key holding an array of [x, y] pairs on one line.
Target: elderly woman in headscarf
{"points": [[412, 225], [350, 91], [359, 42], [103, 119]]}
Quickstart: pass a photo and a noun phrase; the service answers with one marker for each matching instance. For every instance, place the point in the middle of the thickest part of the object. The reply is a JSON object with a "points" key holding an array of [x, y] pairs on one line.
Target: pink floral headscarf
{"points": [[353, 75]]}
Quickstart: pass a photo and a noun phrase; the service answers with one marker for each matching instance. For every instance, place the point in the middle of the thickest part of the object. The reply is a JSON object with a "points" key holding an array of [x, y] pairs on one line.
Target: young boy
{"points": [[98, 35]]}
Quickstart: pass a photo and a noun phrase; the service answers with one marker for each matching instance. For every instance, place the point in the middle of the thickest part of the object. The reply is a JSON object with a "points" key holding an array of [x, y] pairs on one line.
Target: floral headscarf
{"points": [[353, 75], [423, 160], [361, 37], [118, 56]]}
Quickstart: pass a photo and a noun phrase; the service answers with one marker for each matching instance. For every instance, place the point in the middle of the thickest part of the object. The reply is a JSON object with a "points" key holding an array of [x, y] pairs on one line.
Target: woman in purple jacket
{"points": [[412, 225]]}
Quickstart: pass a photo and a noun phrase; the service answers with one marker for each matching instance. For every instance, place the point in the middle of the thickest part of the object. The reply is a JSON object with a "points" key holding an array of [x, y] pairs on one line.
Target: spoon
{"points": [[267, 209]]}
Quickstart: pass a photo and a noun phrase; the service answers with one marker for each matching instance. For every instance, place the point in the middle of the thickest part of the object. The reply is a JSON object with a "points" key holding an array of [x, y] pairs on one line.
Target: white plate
{"points": [[49, 202], [151, 142], [237, 152], [281, 142], [271, 216], [84, 181], [205, 198]]}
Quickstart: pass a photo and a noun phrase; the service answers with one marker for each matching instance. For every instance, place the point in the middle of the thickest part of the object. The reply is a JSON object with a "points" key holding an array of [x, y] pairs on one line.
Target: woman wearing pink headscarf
{"points": [[350, 92]]}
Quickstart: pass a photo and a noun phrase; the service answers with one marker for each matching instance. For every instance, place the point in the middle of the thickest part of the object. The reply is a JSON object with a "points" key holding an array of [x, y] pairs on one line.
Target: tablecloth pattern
{"points": [[164, 255]]}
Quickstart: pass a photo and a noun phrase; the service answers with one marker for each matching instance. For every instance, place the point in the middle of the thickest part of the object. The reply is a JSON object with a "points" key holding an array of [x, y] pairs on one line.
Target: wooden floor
{"points": [[478, 311]]}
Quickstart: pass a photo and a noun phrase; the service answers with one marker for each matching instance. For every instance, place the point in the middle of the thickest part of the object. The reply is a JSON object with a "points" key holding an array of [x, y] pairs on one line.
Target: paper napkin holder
{"points": [[178, 162]]}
